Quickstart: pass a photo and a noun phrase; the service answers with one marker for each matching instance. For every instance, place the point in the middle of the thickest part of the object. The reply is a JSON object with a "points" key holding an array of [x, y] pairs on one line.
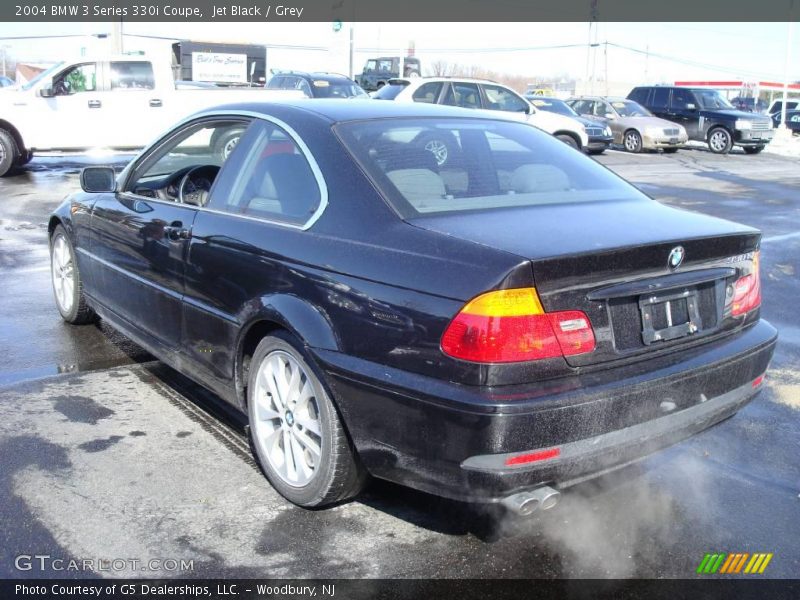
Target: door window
{"points": [[78, 79], [463, 94], [188, 162], [500, 98], [134, 75], [275, 181], [681, 99], [428, 92], [583, 107]]}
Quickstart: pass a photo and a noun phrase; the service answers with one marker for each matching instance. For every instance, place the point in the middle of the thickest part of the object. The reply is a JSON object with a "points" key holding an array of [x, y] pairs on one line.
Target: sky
{"points": [[641, 52]]}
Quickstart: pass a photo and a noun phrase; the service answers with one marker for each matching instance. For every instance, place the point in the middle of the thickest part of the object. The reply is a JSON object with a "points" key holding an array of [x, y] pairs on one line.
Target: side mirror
{"points": [[530, 110], [98, 180], [46, 91]]}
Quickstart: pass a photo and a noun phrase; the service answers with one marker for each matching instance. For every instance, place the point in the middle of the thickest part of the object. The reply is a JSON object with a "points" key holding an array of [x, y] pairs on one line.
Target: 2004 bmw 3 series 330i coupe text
{"points": [[490, 331]]}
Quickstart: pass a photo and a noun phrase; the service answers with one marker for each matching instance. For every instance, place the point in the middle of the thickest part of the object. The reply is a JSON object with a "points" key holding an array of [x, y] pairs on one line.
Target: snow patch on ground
{"points": [[785, 145]]}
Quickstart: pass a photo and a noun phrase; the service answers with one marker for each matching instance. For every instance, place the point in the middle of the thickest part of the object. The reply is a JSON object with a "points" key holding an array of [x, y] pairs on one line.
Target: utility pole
{"points": [[116, 37], [789, 33], [352, 48], [605, 52]]}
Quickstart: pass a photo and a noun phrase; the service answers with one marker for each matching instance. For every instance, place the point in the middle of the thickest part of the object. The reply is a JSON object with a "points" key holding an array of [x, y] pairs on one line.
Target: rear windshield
{"points": [[440, 165], [337, 89], [390, 90], [629, 108]]}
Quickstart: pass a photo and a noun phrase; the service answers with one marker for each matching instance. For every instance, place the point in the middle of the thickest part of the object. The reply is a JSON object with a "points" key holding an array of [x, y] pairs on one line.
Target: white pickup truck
{"points": [[119, 102]]}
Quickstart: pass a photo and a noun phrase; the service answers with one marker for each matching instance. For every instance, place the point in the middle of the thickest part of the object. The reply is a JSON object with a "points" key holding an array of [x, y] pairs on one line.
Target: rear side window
{"points": [[428, 92], [276, 82], [463, 94], [488, 165], [275, 181], [132, 75]]}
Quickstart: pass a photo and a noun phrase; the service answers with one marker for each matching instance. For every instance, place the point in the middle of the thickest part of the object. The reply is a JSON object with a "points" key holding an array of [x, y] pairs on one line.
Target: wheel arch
{"points": [[281, 312], [14, 132], [571, 134], [719, 126]]}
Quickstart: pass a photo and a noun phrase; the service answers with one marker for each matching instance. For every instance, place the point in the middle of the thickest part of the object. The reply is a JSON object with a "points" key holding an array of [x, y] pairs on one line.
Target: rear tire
{"points": [[289, 408], [226, 142], [752, 149], [8, 152], [719, 140], [66, 280]]}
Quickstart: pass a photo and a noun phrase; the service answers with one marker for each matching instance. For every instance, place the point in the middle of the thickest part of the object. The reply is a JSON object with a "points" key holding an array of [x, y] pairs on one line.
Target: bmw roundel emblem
{"points": [[675, 257]]}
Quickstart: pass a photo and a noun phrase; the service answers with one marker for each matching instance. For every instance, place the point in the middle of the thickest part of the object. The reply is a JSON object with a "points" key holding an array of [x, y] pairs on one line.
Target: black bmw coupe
{"points": [[491, 331]]}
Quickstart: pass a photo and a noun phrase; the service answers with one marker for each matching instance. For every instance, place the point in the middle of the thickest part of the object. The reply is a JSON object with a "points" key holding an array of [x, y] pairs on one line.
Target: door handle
{"points": [[176, 231], [94, 104], [155, 102]]}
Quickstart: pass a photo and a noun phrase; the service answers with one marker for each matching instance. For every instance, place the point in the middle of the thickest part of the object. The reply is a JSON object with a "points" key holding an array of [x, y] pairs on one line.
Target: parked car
{"points": [[488, 332], [792, 120], [707, 117], [316, 85], [600, 136], [378, 71], [631, 124], [479, 94], [6, 82], [777, 106], [749, 104], [117, 102]]}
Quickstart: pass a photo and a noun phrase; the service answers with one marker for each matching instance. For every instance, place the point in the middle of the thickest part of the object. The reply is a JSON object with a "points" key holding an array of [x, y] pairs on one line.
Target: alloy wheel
{"points": [[718, 141], [287, 424], [439, 150], [63, 274]]}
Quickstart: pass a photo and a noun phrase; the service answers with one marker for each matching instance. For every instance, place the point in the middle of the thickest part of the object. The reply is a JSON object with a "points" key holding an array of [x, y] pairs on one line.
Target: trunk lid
{"points": [[610, 260]]}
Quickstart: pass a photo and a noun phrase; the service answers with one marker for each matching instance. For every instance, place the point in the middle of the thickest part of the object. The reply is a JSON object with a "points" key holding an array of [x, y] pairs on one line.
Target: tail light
{"points": [[747, 291], [511, 326]]}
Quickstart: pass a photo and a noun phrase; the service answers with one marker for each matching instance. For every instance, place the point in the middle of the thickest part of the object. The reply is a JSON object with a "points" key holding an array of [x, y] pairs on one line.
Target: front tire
{"points": [[66, 280], [632, 141], [568, 140], [226, 142], [719, 140], [296, 434], [752, 149], [8, 152]]}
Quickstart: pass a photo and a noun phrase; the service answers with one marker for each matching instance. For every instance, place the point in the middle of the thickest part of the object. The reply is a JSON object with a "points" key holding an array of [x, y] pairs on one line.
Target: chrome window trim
{"points": [[295, 137]]}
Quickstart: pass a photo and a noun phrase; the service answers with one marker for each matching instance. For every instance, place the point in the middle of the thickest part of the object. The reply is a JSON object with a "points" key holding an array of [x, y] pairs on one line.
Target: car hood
{"points": [[731, 113]]}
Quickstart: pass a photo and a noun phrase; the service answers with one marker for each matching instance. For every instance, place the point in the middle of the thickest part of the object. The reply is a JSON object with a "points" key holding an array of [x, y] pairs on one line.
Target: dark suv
{"points": [[707, 116], [316, 85]]}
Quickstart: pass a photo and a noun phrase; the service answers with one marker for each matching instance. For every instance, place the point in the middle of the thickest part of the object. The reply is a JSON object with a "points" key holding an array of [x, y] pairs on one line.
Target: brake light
{"points": [[747, 291], [523, 459], [512, 326]]}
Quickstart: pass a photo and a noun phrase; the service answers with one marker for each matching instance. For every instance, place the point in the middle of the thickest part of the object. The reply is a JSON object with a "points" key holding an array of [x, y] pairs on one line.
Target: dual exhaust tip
{"points": [[526, 503]]}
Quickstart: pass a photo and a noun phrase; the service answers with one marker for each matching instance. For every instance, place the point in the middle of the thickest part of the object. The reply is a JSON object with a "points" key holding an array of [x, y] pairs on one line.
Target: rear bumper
{"points": [[453, 440]]}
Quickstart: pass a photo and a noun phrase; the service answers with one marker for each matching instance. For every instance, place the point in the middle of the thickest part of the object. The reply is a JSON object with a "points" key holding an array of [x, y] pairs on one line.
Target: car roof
{"points": [[337, 110]]}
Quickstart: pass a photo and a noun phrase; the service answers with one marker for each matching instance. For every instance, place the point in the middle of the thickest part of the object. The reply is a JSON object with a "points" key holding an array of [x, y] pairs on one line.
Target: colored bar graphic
{"points": [[733, 563]]}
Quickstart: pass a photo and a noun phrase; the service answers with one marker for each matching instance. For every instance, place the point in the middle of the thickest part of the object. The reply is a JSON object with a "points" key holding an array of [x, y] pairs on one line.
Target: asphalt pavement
{"points": [[107, 454]]}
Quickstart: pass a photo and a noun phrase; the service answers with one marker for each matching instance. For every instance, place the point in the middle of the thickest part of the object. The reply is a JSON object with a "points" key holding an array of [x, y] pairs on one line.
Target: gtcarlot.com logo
{"points": [[740, 563]]}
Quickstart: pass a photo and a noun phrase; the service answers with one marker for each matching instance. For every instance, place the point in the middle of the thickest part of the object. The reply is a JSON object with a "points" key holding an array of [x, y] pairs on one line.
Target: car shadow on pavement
{"points": [[487, 522]]}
